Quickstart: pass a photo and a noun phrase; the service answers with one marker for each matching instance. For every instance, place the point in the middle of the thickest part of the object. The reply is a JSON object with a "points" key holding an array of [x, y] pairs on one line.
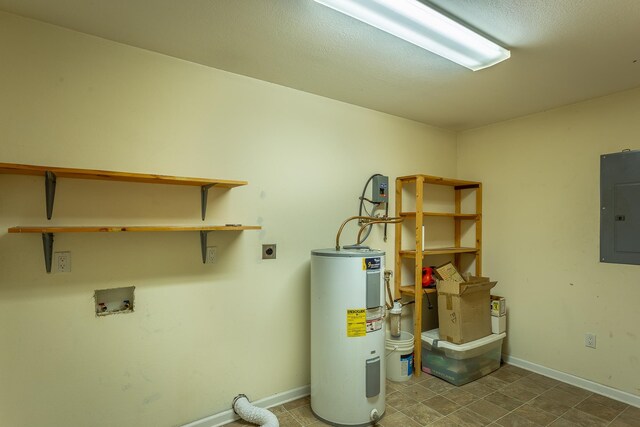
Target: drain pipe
{"points": [[253, 414]]}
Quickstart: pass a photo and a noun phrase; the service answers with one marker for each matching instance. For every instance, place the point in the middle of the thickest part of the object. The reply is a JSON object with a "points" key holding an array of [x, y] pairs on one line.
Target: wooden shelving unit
{"points": [[51, 174], [418, 254]]}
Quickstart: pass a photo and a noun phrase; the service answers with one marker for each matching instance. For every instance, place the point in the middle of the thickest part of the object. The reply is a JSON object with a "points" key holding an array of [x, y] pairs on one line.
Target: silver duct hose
{"points": [[253, 414]]}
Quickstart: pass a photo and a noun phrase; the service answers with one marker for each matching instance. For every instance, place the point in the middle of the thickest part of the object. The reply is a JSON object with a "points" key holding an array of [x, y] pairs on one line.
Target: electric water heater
{"points": [[347, 336]]}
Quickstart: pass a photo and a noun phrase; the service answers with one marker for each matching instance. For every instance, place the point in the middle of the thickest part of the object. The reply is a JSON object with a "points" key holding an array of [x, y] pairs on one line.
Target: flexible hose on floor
{"points": [[253, 414]]}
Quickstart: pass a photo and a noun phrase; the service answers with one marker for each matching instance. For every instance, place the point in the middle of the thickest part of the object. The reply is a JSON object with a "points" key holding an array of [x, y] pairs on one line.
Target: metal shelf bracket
{"points": [[204, 190], [203, 245], [50, 191], [47, 243]]}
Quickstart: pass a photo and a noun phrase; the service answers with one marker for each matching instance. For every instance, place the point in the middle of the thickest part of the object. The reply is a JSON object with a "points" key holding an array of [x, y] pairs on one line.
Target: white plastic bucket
{"points": [[399, 355]]}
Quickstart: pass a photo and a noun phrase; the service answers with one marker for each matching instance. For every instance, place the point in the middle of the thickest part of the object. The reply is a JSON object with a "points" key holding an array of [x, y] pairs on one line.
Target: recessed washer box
{"points": [[114, 301]]}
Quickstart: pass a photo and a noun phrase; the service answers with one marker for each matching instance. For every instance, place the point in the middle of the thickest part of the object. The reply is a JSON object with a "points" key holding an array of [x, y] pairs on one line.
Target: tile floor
{"points": [[508, 397]]}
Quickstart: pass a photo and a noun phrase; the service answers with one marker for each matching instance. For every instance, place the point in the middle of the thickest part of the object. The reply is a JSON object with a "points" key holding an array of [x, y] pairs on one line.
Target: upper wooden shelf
{"points": [[14, 168], [410, 290], [442, 214], [429, 179], [438, 251], [51, 174], [136, 228]]}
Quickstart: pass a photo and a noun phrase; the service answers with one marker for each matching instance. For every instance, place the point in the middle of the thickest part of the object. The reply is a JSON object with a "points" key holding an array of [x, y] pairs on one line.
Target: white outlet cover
{"points": [[590, 340], [63, 262]]}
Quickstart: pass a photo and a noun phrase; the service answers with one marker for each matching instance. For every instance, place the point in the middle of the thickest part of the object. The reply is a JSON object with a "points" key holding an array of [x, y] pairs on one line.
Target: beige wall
{"points": [[541, 237], [201, 333]]}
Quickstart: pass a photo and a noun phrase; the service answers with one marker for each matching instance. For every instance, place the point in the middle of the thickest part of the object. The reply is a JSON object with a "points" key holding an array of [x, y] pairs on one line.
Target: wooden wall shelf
{"points": [[48, 232], [51, 173]]}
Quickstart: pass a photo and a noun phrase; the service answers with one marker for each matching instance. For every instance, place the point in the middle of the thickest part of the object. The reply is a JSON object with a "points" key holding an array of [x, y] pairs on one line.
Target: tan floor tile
{"points": [[459, 396], [550, 405], [513, 420], [492, 382], [561, 422], [630, 417], [442, 405], [444, 422], [532, 385], [298, 402], [506, 375], [418, 392], [392, 386], [584, 419], [422, 414], [560, 396], [600, 411], [477, 389], [288, 420], [610, 403], [437, 385], [399, 400], [303, 415], [503, 401], [535, 415], [239, 423], [398, 420], [567, 388], [467, 418], [519, 392], [487, 410], [280, 409], [542, 380], [516, 370]]}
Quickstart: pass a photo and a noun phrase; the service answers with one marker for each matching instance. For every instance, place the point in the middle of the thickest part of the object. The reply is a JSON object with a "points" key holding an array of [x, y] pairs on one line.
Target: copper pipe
{"points": [[393, 220], [364, 218]]}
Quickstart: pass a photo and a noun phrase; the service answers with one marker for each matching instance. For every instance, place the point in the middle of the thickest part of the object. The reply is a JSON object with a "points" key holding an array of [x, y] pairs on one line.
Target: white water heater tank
{"points": [[347, 336]]}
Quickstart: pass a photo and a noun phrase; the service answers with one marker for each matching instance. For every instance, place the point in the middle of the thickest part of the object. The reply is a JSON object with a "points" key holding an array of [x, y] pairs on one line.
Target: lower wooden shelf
{"points": [[48, 232], [410, 290], [439, 251]]}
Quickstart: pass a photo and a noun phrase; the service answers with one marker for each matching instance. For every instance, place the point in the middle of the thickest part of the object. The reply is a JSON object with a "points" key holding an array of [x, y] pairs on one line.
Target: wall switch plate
{"points": [[63, 262], [212, 255], [590, 340], [269, 251]]}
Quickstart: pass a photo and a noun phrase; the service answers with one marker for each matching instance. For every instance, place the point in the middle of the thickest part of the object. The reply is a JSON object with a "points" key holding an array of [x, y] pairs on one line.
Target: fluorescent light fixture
{"points": [[416, 23]]}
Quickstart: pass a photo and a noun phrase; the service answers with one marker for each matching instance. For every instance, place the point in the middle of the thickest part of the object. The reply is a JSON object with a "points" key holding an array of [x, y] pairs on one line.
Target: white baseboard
{"points": [[228, 416], [594, 387]]}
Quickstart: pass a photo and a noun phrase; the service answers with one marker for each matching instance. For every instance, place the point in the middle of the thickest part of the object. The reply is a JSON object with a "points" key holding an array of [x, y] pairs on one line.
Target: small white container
{"points": [[399, 356], [460, 363]]}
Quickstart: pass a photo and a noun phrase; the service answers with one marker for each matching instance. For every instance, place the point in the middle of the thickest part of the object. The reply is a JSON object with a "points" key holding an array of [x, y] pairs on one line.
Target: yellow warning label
{"points": [[364, 264], [356, 322]]}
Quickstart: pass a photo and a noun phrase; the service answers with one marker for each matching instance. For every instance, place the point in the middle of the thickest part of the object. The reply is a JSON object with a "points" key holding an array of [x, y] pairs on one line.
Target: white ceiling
{"points": [[563, 51]]}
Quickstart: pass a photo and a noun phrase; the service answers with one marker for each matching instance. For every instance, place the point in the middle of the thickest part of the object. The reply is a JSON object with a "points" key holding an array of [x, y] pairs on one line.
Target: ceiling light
{"points": [[416, 23]]}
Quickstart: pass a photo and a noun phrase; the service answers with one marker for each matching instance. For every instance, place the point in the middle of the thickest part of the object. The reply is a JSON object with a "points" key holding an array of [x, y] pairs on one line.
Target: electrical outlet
{"points": [[211, 254], [269, 251], [63, 262], [590, 340]]}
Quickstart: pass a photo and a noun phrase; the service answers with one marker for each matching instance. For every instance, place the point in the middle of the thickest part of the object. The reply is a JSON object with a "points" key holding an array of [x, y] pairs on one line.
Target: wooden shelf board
{"points": [[439, 251], [410, 290], [428, 179], [442, 214], [14, 168], [136, 228]]}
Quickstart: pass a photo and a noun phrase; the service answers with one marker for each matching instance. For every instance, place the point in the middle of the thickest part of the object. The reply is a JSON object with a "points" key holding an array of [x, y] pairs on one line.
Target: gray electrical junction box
{"points": [[380, 189]]}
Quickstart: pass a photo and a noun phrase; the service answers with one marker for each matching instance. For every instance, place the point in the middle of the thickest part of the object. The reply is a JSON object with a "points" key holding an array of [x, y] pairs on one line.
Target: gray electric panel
{"points": [[620, 207], [380, 189]]}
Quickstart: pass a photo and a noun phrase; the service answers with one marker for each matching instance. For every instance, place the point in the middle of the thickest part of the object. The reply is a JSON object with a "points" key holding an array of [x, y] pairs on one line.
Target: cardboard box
{"points": [[498, 324], [449, 272], [463, 315], [498, 306]]}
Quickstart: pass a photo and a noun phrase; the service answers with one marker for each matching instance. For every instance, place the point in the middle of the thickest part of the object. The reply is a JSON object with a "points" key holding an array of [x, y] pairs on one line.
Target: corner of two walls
{"points": [[200, 334], [541, 216]]}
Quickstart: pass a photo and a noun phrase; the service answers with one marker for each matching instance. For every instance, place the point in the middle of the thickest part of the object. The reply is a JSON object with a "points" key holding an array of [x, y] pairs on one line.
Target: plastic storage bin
{"points": [[460, 363]]}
